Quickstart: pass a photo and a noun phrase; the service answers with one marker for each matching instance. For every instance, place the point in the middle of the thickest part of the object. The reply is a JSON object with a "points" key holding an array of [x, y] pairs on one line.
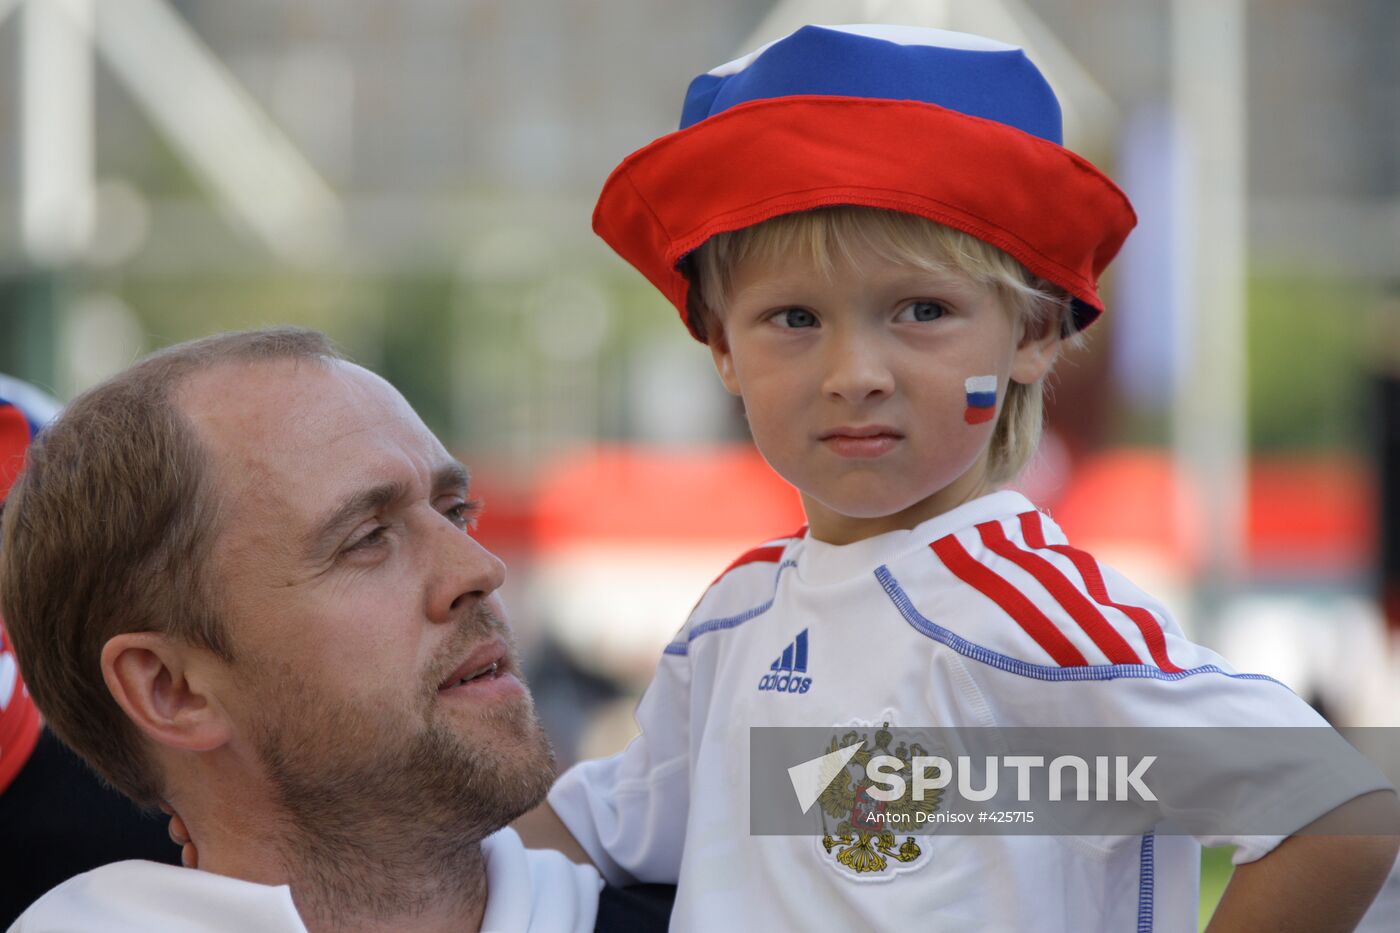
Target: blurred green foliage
{"points": [[465, 356], [27, 331], [417, 352], [1216, 870], [1306, 358]]}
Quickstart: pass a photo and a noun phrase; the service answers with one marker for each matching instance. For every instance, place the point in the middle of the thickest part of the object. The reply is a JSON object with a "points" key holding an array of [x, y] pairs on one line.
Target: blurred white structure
{"points": [[255, 174], [1208, 430], [56, 137]]}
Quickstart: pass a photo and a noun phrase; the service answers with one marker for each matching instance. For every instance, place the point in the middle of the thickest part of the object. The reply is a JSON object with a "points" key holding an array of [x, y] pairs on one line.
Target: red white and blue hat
{"points": [[24, 410], [953, 127]]}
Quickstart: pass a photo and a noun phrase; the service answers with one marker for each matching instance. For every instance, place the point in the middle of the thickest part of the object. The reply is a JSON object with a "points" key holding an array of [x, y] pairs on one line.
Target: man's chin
{"points": [[343, 771], [482, 726], [510, 756]]}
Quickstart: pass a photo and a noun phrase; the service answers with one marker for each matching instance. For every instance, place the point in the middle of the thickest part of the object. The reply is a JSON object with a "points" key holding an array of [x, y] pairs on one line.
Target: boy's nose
{"points": [[856, 371]]}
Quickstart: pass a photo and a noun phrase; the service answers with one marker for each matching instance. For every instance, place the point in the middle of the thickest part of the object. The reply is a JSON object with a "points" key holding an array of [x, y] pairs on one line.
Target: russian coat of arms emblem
{"points": [[864, 840]]}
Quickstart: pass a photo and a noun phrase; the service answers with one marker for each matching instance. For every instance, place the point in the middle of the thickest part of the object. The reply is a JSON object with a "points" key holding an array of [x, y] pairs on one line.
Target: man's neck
{"points": [[395, 899], [358, 885]]}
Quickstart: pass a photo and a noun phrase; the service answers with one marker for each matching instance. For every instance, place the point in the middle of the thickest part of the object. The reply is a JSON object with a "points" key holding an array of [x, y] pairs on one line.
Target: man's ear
{"points": [[724, 361], [163, 688], [1036, 352]]}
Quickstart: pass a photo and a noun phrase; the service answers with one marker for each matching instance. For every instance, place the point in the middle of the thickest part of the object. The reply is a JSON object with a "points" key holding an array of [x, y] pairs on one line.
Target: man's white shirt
{"points": [[982, 617], [527, 891]]}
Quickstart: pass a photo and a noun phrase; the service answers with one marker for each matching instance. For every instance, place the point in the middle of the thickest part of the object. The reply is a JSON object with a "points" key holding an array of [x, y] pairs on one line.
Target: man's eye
{"points": [[370, 540], [465, 514], [795, 317], [921, 311]]}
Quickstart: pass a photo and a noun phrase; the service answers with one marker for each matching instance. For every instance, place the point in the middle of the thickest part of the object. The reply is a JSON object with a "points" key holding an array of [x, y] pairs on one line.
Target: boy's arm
{"points": [[1315, 883], [541, 828], [626, 814]]}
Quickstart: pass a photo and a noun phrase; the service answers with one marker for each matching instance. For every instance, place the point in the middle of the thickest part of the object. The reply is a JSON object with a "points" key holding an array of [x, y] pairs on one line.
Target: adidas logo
{"points": [[787, 669]]}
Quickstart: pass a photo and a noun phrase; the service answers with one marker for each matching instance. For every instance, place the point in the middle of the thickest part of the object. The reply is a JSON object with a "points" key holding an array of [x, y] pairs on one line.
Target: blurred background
{"points": [[415, 177]]}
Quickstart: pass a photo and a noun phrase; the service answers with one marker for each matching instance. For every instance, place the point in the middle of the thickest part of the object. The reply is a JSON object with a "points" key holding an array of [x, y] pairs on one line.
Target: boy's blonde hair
{"points": [[834, 236]]}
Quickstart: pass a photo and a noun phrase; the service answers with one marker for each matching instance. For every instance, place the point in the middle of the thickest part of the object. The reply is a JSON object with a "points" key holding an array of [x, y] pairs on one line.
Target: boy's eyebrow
{"points": [[333, 525]]}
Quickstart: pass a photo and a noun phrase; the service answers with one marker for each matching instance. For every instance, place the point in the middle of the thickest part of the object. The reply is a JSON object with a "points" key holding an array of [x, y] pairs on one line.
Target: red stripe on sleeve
{"points": [[1088, 568], [1105, 636], [956, 558], [770, 554]]}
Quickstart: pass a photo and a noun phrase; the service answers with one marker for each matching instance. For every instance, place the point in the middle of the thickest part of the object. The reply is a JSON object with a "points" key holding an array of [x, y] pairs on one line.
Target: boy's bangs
{"points": [[836, 238]]}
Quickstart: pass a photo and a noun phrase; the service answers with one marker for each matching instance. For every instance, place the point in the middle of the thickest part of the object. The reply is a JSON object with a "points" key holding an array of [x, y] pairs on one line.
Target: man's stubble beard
{"points": [[385, 813]]}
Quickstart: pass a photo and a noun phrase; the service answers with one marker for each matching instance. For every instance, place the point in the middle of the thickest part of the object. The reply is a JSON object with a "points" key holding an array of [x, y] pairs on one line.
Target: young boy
{"points": [[879, 236]]}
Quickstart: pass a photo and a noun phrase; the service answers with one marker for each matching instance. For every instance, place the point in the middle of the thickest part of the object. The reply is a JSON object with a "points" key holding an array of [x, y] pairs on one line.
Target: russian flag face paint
{"points": [[981, 399]]}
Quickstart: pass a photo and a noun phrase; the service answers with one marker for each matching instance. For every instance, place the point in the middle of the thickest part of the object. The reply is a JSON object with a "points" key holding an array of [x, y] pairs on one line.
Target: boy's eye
{"points": [[921, 311], [795, 317]]}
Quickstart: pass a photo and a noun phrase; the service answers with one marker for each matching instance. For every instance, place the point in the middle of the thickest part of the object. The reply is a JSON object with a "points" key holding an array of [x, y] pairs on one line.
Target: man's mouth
{"points": [[487, 671], [488, 662]]}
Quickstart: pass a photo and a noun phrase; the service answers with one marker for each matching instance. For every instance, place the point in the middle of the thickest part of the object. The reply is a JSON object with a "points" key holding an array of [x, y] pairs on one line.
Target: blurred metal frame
{"points": [[255, 174]]}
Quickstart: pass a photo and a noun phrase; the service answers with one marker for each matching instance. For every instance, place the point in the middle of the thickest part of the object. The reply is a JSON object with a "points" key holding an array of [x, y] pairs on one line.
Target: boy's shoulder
{"points": [[746, 584], [770, 551], [1013, 591]]}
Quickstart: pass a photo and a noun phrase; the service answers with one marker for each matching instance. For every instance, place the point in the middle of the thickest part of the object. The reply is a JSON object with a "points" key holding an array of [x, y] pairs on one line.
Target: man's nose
{"points": [[856, 369], [467, 572]]}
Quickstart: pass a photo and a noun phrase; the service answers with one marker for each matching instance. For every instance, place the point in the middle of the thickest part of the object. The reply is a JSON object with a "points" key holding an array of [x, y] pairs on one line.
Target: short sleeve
{"points": [[1245, 761], [1050, 639], [1267, 760], [629, 811]]}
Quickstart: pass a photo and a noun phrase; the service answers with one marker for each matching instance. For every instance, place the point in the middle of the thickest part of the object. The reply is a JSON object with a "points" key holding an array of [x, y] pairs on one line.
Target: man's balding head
{"points": [[250, 589], [109, 529]]}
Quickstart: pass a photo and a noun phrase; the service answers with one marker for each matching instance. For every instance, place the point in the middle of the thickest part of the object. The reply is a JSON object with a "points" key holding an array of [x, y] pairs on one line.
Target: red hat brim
{"points": [[1050, 209]]}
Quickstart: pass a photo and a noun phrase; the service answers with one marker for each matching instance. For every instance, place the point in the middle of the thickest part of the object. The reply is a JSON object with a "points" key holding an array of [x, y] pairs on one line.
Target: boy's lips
{"points": [[862, 442]]}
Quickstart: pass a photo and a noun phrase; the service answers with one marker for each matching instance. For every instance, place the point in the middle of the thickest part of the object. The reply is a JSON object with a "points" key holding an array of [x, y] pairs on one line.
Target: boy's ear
{"points": [[724, 361], [1036, 352], [166, 689]]}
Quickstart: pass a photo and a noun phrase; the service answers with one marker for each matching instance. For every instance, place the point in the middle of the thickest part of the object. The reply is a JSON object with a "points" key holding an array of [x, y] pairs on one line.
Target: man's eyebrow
{"points": [[452, 475], [337, 522], [332, 526]]}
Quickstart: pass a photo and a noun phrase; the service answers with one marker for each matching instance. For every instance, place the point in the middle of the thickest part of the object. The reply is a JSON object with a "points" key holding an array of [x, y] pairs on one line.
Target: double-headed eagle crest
{"points": [[864, 837]]}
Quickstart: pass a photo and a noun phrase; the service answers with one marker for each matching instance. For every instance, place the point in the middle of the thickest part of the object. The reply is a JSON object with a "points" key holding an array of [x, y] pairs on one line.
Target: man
{"points": [[251, 591]]}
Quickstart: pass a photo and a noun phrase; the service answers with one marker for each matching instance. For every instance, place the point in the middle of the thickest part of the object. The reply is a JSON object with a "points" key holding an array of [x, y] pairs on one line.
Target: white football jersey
{"points": [[983, 616], [527, 891]]}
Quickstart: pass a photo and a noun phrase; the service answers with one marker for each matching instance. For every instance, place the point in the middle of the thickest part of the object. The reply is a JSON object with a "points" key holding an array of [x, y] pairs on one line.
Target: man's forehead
{"points": [[308, 425], [284, 388]]}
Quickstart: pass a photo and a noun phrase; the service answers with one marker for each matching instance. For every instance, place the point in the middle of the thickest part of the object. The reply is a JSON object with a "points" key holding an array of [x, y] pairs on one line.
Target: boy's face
{"points": [[868, 390]]}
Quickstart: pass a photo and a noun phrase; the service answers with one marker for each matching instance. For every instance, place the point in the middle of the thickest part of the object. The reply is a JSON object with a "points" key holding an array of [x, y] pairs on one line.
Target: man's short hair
{"points": [[834, 235], [109, 530]]}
